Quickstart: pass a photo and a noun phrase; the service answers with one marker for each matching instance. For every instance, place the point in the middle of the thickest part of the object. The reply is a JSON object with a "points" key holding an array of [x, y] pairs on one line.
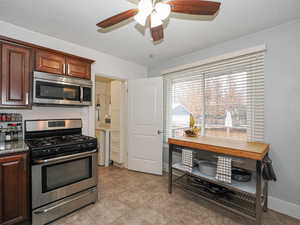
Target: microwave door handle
{"points": [[58, 82], [81, 94]]}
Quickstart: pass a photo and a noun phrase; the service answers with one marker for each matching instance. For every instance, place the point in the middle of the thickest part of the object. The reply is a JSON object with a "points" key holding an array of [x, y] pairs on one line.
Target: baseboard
{"points": [[284, 207], [275, 204]]}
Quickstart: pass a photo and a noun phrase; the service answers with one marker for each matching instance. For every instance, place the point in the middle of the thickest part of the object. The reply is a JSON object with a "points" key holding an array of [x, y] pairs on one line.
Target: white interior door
{"points": [[145, 110]]}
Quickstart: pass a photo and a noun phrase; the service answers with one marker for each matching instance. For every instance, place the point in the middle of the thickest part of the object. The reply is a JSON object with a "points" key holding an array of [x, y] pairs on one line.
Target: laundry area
{"points": [[111, 112]]}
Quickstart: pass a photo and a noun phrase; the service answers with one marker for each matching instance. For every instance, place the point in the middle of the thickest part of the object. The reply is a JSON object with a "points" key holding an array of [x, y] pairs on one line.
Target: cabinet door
{"points": [[13, 189], [78, 68], [50, 62], [16, 75]]}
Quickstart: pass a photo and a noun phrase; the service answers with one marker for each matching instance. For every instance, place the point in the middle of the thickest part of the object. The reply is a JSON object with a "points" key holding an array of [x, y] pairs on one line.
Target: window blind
{"points": [[226, 98]]}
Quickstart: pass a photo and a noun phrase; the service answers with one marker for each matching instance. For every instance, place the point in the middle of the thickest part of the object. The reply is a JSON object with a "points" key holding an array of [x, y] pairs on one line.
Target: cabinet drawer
{"points": [[60, 208]]}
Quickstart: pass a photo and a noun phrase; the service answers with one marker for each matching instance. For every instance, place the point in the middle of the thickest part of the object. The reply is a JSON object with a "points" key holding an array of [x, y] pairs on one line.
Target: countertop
{"points": [[106, 128], [103, 128], [244, 149], [13, 147]]}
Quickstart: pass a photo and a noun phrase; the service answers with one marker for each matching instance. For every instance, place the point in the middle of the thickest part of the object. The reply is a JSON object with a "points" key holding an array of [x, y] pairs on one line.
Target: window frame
{"points": [[170, 77]]}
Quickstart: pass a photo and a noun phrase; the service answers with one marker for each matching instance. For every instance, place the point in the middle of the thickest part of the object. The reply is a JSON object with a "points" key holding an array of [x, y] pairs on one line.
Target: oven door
{"points": [[52, 92], [57, 178]]}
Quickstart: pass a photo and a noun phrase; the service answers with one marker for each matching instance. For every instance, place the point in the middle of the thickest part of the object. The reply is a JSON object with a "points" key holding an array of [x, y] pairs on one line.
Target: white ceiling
{"points": [[75, 21]]}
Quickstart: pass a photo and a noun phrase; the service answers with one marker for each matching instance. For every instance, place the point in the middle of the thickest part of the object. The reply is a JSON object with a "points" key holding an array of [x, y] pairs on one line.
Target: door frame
{"points": [[124, 123]]}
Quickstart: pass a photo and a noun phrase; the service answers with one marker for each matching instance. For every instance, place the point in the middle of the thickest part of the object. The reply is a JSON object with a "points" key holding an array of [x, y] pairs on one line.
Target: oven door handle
{"points": [[63, 203], [43, 161]]}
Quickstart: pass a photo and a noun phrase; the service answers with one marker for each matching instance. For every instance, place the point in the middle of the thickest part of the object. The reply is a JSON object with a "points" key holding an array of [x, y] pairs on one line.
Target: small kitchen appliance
{"points": [[51, 89], [64, 168]]}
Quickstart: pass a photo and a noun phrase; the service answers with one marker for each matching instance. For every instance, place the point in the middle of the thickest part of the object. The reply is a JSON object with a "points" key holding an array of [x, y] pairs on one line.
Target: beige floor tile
{"points": [[82, 218], [130, 221], [141, 216], [62, 221], [107, 211], [133, 198]]}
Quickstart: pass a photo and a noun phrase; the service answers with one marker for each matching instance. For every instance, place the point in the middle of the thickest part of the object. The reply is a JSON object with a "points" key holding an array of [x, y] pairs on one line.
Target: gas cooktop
{"points": [[55, 138], [46, 142]]}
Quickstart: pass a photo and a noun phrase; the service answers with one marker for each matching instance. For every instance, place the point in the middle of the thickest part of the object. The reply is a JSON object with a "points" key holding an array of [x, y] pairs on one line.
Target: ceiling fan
{"points": [[157, 12]]}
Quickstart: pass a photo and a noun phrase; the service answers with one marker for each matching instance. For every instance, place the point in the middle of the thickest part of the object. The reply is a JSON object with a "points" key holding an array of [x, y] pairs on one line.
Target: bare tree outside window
{"points": [[225, 95]]}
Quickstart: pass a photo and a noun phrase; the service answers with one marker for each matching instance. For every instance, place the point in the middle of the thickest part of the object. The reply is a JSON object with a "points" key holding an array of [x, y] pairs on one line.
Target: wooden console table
{"points": [[248, 199]]}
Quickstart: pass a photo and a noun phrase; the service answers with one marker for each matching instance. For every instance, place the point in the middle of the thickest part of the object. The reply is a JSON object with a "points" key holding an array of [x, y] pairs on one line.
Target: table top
{"points": [[243, 149]]}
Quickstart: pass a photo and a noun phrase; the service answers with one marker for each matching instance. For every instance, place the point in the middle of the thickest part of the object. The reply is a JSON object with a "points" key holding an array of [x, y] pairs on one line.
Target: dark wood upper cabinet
{"points": [[53, 62], [16, 75], [19, 59], [14, 191], [78, 68], [50, 62]]}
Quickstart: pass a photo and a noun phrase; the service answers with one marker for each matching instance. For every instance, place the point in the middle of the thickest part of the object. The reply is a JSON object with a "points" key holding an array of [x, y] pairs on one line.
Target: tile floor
{"points": [[132, 198]]}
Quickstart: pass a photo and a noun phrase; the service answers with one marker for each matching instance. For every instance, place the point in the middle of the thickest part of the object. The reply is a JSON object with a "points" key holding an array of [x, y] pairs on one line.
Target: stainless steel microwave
{"points": [[50, 89]]}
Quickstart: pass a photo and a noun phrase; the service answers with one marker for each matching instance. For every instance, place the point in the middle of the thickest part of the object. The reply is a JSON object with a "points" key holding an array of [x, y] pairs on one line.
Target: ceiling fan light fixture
{"points": [[155, 20], [141, 18], [154, 13], [163, 10], [145, 9]]}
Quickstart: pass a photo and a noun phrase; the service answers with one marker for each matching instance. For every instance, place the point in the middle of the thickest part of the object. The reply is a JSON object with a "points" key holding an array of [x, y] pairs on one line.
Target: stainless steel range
{"points": [[64, 168]]}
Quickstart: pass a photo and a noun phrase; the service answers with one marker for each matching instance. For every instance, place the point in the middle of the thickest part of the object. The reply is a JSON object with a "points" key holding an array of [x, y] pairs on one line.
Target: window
{"points": [[226, 98]]}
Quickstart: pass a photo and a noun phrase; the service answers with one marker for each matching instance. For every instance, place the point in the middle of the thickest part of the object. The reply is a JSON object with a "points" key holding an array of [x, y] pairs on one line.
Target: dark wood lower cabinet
{"points": [[14, 189]]}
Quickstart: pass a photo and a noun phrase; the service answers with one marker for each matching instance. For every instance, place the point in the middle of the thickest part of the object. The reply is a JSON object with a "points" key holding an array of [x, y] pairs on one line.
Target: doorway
{"points": [[111, 120]]}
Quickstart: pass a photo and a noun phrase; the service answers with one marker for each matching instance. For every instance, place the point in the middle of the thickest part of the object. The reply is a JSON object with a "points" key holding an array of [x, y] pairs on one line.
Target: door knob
{"points": [[159, 132]]}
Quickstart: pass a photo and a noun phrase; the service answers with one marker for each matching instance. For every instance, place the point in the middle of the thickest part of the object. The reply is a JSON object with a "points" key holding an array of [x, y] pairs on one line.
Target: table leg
{"points": [[258, 193], [266, 194], [170, 167], [265, 207]]}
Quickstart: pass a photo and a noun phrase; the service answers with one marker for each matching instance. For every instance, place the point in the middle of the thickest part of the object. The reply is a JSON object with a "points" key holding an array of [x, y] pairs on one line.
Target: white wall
{"points": [[105, 64], [282, 103]]}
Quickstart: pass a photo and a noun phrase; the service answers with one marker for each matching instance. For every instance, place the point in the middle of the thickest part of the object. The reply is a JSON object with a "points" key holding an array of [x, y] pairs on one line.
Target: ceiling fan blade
{"points": [[134, 1], [194, 7], [157, 33], [118, 18]]}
